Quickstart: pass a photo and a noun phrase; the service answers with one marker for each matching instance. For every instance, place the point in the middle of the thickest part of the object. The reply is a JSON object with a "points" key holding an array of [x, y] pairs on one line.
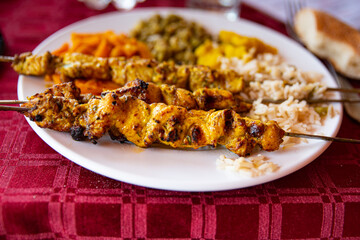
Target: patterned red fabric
{"points": [[45, 196]]}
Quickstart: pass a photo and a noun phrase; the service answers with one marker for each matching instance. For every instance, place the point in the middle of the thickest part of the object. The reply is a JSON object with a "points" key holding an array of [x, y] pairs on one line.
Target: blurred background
{"points": [[346, 10]]}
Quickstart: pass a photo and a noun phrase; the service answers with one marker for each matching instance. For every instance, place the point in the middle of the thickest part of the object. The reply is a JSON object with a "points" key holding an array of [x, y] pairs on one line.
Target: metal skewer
{"points": [[347, 90], [11, 108], [333, 139], [310, 101]]}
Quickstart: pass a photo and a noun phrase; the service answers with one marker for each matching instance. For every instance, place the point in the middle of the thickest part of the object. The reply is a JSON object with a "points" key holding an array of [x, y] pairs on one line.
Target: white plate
{"points": [[164, 168]]}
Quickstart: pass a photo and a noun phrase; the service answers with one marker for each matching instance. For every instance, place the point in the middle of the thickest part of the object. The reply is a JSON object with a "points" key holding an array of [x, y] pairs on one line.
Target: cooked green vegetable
{"points": [[171, 37]]}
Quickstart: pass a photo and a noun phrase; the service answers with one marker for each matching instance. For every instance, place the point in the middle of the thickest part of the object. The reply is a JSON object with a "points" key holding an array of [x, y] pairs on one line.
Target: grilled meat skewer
{"points": [[76, 65], [121, 71], [289, 134], [117, 69], [62, 108]]}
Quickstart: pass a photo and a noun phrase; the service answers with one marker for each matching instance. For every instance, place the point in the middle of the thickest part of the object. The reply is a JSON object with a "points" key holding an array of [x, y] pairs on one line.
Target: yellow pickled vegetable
{"points": [[231, 45], [245, 42], [207, 54]]}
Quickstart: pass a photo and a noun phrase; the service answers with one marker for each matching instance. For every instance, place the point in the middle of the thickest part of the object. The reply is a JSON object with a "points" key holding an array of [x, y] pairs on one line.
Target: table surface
{"points": [[45, 196]]}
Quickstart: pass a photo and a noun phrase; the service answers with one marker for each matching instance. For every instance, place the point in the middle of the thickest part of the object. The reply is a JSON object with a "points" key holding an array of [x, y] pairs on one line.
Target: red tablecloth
{"points": [[45, 196]]}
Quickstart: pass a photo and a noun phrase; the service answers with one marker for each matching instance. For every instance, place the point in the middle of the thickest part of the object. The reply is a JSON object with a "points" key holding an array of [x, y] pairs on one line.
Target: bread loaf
{"points": [[330, 38]]}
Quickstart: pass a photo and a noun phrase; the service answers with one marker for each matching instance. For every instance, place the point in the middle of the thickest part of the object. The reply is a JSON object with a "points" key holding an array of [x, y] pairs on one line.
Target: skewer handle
{"points": [[6, 59], [10, 108], [12, 101], [333, 139]]}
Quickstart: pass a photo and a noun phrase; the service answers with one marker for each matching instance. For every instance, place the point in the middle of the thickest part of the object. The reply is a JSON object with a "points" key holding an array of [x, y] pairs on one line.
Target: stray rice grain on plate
{"points": [[251, 167]]}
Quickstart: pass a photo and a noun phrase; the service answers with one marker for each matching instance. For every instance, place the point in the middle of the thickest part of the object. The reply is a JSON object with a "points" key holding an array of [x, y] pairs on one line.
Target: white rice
{"points": [[269, 76], [292, 116]]}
